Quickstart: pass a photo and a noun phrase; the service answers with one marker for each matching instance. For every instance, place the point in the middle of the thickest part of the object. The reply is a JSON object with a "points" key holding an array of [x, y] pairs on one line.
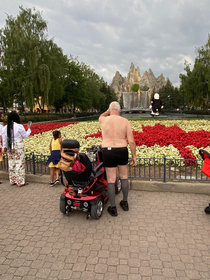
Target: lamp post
{"points": [[169, 97], [73, 84]]}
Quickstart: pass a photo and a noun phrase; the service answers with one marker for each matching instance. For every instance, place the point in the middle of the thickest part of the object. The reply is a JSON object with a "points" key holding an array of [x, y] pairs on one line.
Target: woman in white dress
{"points": [[13, 135]]}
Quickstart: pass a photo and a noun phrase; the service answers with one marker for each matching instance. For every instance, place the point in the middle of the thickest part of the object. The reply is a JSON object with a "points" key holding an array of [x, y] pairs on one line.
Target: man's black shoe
{"points": [[112, 211], [124, 205]]}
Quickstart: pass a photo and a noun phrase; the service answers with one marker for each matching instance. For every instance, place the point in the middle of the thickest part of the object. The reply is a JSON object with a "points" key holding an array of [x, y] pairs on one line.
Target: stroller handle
{"points": [[94, 149]]}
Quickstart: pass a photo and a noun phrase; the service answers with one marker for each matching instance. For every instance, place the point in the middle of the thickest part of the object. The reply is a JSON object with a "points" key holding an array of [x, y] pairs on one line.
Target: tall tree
{"points": [[170, 96], [109, 94], [32, 61], [195, 84], [93, 85], [6, 94]]}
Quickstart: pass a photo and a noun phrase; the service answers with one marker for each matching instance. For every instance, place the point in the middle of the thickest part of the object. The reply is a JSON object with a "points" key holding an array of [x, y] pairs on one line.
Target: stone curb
{"points": [[135, 184], [179, 187], [38, 178]]}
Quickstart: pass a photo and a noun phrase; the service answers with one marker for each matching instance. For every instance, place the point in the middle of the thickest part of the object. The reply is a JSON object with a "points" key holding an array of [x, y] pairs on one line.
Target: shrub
{"points": [[135, 87]]}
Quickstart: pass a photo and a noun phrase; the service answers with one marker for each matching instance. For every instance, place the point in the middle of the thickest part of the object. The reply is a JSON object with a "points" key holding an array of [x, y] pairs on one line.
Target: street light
{"points": [[73, 84], [169, 97]]}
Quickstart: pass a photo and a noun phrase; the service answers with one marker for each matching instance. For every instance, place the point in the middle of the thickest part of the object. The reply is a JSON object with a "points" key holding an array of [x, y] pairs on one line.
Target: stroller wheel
{"points": [[97, 208], [63, 204], [118, 186], [207, 210]]}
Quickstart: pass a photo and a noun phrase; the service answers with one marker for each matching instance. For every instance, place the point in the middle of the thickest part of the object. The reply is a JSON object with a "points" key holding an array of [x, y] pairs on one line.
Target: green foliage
{"points": [[195, 84], [171, 97], [35, 66], [6, 94], [121, 101], [109, 96], [73, 73], [198, 112], [94, 96], [21, 41], [144, 88], [135, 87], [45, 117]]}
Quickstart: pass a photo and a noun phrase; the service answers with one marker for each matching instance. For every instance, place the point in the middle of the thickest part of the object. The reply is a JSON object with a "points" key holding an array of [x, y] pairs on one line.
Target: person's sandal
{"points": [[112, 211], [26, 184], [124, 205]]}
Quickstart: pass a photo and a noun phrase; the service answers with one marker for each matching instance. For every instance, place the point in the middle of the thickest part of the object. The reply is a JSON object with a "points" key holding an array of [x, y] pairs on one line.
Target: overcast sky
{"points": [[110, 34]]}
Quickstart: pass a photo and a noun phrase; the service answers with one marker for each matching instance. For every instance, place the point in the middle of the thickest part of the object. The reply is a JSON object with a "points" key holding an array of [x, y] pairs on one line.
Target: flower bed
{"points": [[154, 139], [43, 127]]}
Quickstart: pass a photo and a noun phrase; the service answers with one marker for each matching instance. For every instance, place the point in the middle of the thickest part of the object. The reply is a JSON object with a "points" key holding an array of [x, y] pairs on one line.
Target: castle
{"points": [[122, 87]]}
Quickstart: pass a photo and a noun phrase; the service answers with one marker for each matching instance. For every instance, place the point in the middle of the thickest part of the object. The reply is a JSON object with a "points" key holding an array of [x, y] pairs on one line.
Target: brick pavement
{"points": [[163, 236]]}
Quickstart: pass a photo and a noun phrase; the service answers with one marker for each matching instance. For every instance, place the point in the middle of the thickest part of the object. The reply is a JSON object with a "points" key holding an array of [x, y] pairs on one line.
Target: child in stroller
{"points": [[206, 170], [85, 190]]}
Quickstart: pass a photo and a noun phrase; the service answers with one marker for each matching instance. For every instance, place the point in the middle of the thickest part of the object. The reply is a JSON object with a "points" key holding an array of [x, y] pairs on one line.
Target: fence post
{"points": [[33, 159], [164, 171]]}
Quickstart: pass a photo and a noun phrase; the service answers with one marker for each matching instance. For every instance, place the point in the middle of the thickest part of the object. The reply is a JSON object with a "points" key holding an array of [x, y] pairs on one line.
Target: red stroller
{"points": [[86, 190], [206, 170]]}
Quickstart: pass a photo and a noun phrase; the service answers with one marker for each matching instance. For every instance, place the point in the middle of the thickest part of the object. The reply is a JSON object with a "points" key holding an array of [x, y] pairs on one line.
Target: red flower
{"points": [[43, 127], [164, 136]]}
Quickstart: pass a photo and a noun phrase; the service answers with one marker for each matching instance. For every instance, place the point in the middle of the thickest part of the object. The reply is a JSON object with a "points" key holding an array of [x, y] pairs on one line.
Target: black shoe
{"points": [[124, 205], [112, 211]]}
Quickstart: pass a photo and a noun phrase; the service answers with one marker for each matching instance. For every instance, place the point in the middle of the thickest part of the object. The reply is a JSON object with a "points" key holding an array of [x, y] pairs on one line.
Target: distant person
{"points": [[1, 139], [55, 150], [13, 145], [156, 105], [116, 130]]}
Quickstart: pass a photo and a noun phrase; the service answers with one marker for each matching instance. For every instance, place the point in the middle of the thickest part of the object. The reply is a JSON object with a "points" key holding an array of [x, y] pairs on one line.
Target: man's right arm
{"points": [[103, 115]]}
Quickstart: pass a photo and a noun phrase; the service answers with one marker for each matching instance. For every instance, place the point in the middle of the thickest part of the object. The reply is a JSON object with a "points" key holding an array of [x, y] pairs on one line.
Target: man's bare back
{"points": [[114, 131]]}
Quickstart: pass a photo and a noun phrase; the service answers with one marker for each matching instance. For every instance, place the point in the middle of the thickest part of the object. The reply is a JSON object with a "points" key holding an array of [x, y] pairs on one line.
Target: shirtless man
{"points": [[116, 130]]}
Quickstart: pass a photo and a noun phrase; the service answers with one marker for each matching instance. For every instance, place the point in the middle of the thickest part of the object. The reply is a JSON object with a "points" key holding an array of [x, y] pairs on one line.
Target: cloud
{"points": [[109, 35]]}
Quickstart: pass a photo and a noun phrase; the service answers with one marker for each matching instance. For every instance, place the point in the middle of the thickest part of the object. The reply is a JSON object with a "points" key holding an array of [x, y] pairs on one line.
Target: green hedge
{"points": [[198, 112], [43, 117]]}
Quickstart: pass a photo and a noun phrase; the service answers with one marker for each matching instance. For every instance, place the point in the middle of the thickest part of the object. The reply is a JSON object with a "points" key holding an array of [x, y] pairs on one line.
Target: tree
{"points": [[195, 84], [34, 64], [109, 94], [6, 96], [189, 85], [73, 73], [170, 96], [93, 84], [35, 67]]}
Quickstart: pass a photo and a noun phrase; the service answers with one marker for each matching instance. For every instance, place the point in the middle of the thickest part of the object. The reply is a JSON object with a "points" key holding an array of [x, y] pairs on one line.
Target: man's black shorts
{"points": [[112, 157]]}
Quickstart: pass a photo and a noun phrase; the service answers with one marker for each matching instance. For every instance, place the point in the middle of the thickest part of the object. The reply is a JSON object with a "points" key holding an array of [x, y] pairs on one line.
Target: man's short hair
{"points": [[114, 106]]}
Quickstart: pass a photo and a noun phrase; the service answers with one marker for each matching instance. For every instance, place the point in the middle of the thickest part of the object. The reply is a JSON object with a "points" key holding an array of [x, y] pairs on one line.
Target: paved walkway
{"points": [[163, 236]]}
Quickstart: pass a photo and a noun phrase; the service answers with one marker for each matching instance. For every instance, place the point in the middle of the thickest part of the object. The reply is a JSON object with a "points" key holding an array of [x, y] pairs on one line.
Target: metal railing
{"points": [[35, 164], [163, 169]]}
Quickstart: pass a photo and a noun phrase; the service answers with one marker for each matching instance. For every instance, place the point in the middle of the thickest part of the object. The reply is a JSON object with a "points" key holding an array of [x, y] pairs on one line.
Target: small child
{"points": [[55, 149]]}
